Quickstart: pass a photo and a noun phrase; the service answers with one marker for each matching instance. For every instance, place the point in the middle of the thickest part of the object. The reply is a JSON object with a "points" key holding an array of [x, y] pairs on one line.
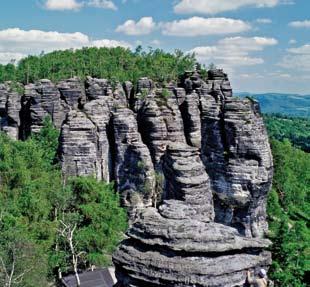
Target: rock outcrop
{"points": [[179, 244], [192, 165], [10, 107], [160, 122], [237, 156], [42, 100], [133, 169]]}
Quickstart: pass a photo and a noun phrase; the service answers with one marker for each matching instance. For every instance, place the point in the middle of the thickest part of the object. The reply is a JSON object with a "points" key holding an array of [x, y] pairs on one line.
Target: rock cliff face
{"points": [[192, 165], [180, 244], [10, 107]]}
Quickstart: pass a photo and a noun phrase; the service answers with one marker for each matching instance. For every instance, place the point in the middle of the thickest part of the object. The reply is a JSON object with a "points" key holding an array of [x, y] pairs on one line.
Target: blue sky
{"points": [[264, 45]]}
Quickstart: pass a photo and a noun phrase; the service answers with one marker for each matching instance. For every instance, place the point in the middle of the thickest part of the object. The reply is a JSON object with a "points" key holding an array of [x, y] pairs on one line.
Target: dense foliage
{"points": [[37, 210], [297, 130], [289, 215], [112, 63], [288, 203]]}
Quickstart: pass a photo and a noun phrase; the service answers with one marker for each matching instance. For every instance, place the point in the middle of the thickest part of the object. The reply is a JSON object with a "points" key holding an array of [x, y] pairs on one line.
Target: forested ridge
{"points": [[37, 208], [116, 64], [295, 129], [289, 200]]}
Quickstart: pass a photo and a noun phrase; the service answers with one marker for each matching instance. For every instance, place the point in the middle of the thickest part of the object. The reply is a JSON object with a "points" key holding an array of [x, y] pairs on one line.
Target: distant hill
{"points": [[288, 104]]}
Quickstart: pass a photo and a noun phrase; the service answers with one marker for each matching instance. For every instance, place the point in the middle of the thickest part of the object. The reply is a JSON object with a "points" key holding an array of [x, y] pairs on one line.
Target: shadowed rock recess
{"points": [[192, 164]]}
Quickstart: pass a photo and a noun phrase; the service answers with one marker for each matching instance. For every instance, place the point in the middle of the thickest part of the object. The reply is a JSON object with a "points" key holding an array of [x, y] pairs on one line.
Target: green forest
{"points": [[289, 200], [116, 64], [40, 216], [295, 129], [39, 209]]}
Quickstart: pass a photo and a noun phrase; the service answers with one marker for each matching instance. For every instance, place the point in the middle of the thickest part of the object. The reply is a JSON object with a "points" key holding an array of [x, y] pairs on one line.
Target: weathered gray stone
{"points": [[41, 100], [188, 183], [96, 88], [72, 92], [179, 245], [145, 84], [133, 168], [236, 153], [80, 153], [10, 107], [160, 122], [191, 119]]}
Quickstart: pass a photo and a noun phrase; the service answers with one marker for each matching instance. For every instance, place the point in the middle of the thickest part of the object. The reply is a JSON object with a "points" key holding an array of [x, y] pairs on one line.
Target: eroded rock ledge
{"points": [[192, 164], [179, 244]]}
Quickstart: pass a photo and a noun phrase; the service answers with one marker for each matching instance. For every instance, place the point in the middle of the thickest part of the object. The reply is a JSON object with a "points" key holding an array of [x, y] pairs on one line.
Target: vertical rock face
{"points": [[133, 171], [96, 88], [160, 122], [191, 118], [84, 134], [179, 244], [10, 107], [102, 139], [237, 156], [72, 92], [194, 149], [79, 147], [41, 100], [187, 185]]}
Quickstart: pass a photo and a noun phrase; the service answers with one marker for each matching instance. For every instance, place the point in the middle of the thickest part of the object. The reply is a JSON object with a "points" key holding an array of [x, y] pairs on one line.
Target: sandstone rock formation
{"points": [[237, 156], [42, 100], [133, 168], [192, 164], [10, 107], [179, 244]]}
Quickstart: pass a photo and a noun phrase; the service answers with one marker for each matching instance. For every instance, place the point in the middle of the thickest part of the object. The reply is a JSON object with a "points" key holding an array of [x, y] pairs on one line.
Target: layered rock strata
{"points": [[179, 244], [160, 122], [133, 168], [41, 100], [237, 156], [10, 107], [193, 149], [200, 112]]}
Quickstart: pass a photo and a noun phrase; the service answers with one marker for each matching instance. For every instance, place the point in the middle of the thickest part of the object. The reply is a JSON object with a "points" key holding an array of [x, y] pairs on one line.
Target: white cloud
{"points": [[305, 49], [218, 6], [264, 21], [199, 26], [16, 43], [234, 52], [62, 5], [6, 57], [296, 62], [144, 26], [298, 59], [300, 24], [155, 42], [287, 2], [251, 76], [292, 41], [20, 40], [109, 43], [105, 4]]}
